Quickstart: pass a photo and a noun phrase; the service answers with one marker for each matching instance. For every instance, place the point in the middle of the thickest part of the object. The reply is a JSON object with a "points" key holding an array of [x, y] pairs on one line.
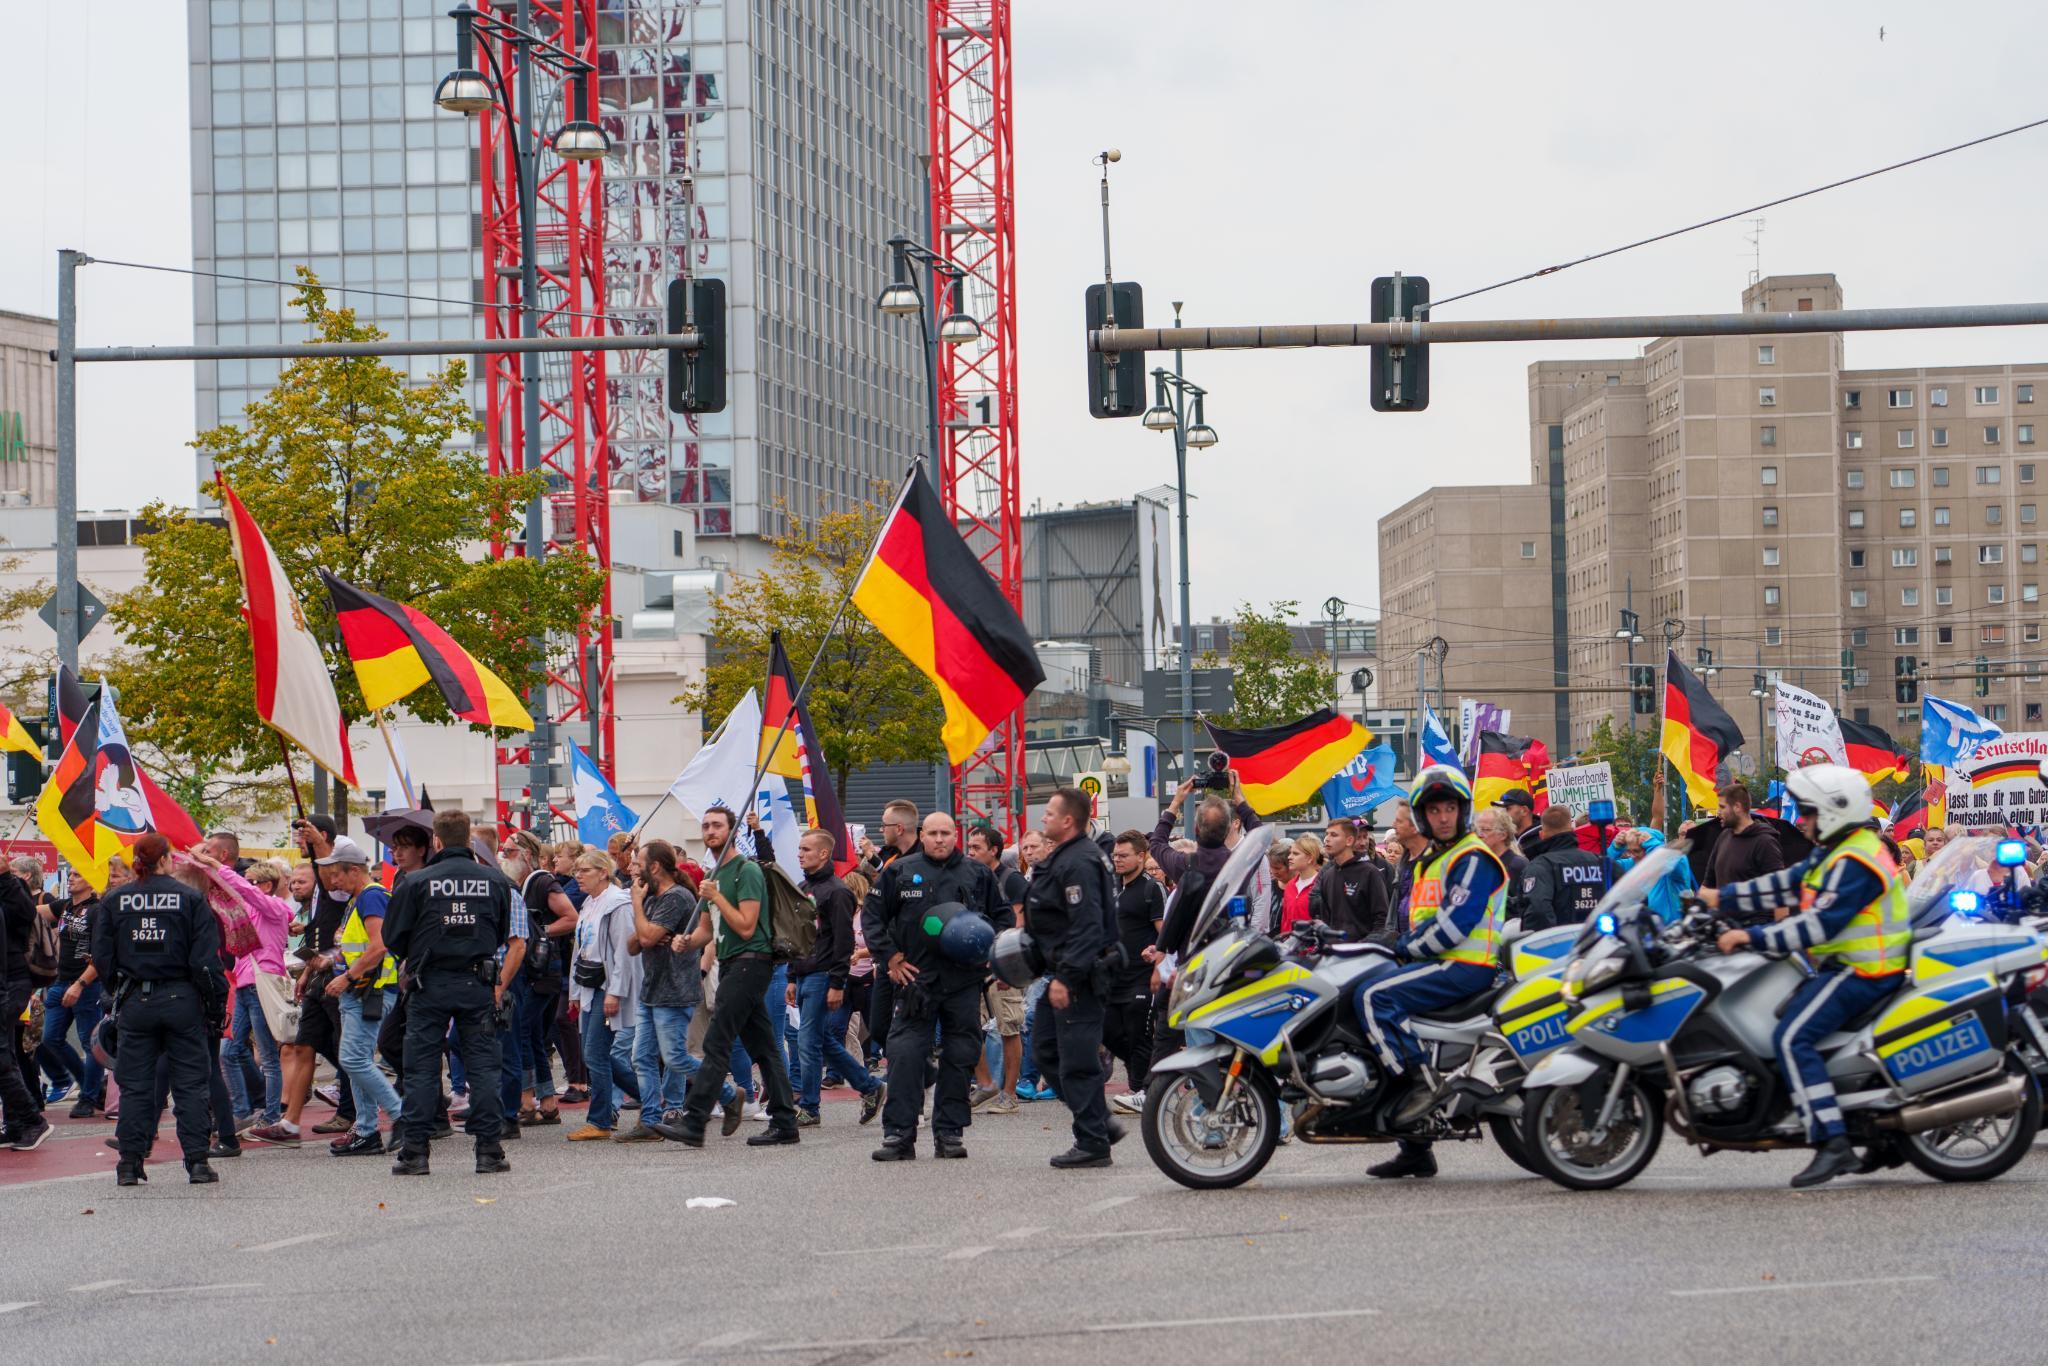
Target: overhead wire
{"points": [[471, 304]]}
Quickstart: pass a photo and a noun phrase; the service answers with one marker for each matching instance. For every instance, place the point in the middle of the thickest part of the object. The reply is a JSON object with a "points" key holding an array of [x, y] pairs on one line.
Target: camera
{"points": [[1217, 779]]}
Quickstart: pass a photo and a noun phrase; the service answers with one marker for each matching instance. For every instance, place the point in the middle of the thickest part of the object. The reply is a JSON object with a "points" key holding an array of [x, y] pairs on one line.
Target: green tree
{"points": [[868, 703], [347, 467], [1271, 682]]}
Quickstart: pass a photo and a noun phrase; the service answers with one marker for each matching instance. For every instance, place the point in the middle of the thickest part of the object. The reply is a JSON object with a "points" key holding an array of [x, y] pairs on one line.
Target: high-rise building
{"points": [[1754, 498], [776, 145], [28, 411]]}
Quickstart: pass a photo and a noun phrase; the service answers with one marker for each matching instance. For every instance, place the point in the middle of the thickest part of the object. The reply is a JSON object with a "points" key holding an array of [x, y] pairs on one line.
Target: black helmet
{"points": [[105, 1039], [967, 937], [1015, 959]]}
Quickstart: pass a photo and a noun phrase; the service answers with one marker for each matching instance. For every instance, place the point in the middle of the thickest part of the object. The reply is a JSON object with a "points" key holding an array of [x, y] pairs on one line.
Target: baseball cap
{"points": [[1514, 796], [346, 850]]}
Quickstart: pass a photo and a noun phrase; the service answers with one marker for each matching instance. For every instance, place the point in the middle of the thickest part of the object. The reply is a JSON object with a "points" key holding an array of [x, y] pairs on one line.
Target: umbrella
{"points": [[1793, 845], [382, 826]]}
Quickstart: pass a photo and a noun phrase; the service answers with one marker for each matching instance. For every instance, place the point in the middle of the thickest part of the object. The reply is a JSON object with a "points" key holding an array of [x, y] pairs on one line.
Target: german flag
{"points": [[396, 649], [821, 799], [2005, 770], [1871, 752], [67, 812], [1909, 816], [781, 739], [14, 735], [1510, 763], [931, 598], [1698, 732], [1283, 766]]}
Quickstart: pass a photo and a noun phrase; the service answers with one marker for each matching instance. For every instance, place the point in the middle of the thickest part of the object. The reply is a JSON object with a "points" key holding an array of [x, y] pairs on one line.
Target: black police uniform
{"points": [[945, 995], [1562, 883], [157, 946], [1068, 914], [446, 923]]}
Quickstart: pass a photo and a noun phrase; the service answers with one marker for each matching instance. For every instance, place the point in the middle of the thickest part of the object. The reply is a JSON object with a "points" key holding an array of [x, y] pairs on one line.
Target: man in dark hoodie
{"points": [[1563, 883], [1747, 848], [817, 986]]}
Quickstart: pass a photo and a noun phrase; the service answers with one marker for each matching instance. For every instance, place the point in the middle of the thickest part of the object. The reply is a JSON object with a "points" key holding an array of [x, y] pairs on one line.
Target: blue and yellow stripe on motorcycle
{"points": [[1672, 1001], [1921, 1004], [1227, 951], [1928, 965], [1253, 1016], [1531, 1015], [1272, 981], [1533, 955]]}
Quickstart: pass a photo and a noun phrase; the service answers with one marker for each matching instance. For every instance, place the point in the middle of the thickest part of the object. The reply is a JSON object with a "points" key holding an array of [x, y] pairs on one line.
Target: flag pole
{"points": [[284, 752], [391, 748]]}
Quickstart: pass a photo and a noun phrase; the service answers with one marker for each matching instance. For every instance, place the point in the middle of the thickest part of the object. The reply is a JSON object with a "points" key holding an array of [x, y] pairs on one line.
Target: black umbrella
{"points": [[382, 826], [1793, 845]]}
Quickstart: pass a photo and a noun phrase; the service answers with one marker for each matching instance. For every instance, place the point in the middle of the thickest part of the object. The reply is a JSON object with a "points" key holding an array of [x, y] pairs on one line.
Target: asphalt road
{"points": [[587, 1253]]}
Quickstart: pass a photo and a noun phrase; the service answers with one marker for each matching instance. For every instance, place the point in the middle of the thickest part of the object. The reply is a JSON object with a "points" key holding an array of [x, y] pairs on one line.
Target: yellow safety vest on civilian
{"points": [[354, 941], [1876, 940], [1481, 948]]}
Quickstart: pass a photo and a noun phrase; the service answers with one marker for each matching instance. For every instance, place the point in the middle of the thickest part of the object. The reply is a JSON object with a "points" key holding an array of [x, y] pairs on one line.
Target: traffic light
{"points": [[1642, 689], [25, 772], [1983, 676], [696, 379], [1400, 374], [1116, 379], [1905, 684]]}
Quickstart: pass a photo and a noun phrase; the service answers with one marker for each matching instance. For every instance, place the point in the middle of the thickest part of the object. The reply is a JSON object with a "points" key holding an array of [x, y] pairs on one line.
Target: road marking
{"points": [[966, 1254], [1104, 1206], [877, 1251], [13, 1305], [840, 1344], [293, 1242], [732, 1339], [1224, 1322], [193, 1289], [1024, 1232], [1801, 1285], [91, 1286], [1132, 1233]]}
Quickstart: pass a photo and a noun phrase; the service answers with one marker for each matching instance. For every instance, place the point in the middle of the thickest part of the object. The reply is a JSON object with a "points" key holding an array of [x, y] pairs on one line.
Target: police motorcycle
{"points": [[1666, 1031], [1269, 1022], [1969, 906]]}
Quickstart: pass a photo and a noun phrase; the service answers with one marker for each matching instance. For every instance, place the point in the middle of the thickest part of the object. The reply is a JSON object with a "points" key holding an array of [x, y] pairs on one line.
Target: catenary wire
{"points": [[542, 310]]}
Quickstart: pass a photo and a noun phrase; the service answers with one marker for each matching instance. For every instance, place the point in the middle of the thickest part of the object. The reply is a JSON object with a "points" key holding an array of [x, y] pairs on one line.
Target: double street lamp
{"points": [[902, 297]]}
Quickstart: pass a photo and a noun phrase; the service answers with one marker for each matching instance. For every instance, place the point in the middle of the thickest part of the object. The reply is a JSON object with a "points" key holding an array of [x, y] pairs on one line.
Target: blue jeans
{"points": [[662, 1059], [512, 1060], [821, 1038], [1028, 1068], [55, 1054], [609, 1067], [777, 997], [536, 1013], [358, 1058], [250, 1024]]}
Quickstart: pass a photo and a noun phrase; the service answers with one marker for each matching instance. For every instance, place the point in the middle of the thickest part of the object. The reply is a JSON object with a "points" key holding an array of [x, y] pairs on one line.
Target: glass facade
{"points": [[779, 147]]}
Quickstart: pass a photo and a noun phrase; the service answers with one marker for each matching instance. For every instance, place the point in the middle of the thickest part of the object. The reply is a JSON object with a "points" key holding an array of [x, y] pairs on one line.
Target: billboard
{"points": [[1155, 581], [2000, 783]]}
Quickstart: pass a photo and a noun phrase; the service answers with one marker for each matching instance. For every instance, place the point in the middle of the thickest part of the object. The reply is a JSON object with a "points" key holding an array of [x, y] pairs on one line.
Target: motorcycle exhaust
{"points": [[2007, 1093]]}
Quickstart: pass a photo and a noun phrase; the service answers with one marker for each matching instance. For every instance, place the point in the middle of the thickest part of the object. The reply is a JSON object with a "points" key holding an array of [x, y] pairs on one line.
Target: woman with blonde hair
{"points": [[605, 977], [1304, 861]]}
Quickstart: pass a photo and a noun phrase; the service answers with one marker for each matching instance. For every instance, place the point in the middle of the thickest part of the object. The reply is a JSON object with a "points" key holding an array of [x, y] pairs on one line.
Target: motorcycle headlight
{"points": [[1183, 987], [1575, 977], [1602, 973]]}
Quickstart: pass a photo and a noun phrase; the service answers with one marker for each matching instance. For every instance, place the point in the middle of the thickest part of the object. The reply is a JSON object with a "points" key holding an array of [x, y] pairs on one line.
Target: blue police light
{"points": [[1963, 901], [2011, 853], [1237, 909], [1604, 922]]}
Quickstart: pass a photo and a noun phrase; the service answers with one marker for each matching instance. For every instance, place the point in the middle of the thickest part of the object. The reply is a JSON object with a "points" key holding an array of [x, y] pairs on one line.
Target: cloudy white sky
{"points": [[1275, 157]]}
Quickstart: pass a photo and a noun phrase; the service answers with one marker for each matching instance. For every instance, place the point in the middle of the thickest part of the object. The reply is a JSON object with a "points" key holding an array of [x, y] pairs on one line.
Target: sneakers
{"points": [[1026, 1091], [589, 1133], [982, 1096], [224, 1150], [244, 1123], [1046, 1093], [735, 1113], [1005, 1104], [330, 1093], [871, 1103], [85, 1109], [410, 1164], [677, 1128], [807, 1119], [773, 1136], [358, 1145], [576, 1095], [279, 1134], [1130, 1103], [1077, 1157], [759, 1114], [336, 1125], [58, 1094], [639, 1133], [31, 1137]]}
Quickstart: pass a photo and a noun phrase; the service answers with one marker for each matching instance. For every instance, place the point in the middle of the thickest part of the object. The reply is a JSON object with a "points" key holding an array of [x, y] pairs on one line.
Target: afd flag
{"points": [[599, 812], [1950, 731], [1436, 742], [1361, 785]]}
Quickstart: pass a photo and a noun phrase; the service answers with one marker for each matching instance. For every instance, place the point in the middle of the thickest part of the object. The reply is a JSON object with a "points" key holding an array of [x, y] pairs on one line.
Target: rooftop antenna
{"points": [[1756, 249]]}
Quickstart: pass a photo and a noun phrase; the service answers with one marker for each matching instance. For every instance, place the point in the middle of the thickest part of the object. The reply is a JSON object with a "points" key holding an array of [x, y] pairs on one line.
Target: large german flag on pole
{"points": [[396, 649], [1509, 763], [1283, 766], [1698, 732], [799, 743], [1870, 751], [67, 812], [926, 592], [782, 740]]}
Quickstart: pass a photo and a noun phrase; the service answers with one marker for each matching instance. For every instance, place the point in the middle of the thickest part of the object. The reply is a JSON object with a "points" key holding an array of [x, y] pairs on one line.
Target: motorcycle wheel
{"points": [[1979, 1149], [1555, 1142], [1204, 1150], [1509, 1140]]}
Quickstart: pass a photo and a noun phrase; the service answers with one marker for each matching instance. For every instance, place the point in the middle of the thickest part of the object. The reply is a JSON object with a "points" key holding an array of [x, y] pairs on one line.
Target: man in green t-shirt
{"points": [[737, 892]]}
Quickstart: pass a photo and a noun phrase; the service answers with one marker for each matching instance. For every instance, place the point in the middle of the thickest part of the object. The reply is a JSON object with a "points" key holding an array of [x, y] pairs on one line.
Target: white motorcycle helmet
{"points": [[1838, 797]]}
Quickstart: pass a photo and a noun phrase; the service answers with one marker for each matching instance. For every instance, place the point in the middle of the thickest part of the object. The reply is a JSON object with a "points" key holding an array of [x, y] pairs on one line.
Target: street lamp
{"points": [[1201, 435], [901, 297]]}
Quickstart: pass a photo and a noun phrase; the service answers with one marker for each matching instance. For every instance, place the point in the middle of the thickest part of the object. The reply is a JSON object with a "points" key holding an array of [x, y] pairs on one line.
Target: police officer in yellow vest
{"points": [[367, 971], [1853, 924], [1457, 912]]}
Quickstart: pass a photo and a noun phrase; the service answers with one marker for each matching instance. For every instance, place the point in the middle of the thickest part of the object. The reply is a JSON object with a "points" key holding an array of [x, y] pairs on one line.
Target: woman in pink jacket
{"points": [[259, 894]]}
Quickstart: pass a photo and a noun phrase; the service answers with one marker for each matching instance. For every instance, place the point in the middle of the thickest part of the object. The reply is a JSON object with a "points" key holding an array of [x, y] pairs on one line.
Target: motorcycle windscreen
{"points": [[1231, 879]]}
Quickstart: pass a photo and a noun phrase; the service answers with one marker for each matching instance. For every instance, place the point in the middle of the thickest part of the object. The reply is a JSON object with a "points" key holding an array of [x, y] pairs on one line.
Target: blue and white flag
{"points": [[1361, 785], [1950, 731], [599, 812], [1436, 742]]}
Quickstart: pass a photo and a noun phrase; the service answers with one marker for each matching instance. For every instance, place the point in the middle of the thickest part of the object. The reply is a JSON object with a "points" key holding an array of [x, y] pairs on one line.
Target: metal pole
{"points": [[1419, 331], [68, 262], [688, 339], [540, 749], [1180, 481], [925, 317]]}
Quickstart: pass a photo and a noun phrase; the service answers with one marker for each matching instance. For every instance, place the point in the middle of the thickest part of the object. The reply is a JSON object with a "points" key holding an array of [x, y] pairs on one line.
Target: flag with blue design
{"points": [[1436, 742], [1361, 785], [1950, 731], [599, 812]]}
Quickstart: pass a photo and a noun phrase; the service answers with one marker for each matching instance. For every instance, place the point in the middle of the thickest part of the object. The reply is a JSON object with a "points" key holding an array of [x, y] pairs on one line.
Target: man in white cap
{"points": [[366, 974]]}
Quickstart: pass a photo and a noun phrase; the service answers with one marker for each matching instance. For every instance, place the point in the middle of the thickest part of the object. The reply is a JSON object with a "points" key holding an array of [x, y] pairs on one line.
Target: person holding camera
{"points": [[1069, 914], [1221, 812]]}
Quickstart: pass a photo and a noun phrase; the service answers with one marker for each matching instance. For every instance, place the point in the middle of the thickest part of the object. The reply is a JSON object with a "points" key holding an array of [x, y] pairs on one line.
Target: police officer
{"points": [[931, 989], [1069, 913], [157, 946], [1562, 883], [446, 924]]}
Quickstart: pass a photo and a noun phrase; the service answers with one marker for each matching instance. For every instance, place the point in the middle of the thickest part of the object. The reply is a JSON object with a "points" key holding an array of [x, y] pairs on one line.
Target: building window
{"points": [[1855, 519], [1991, 635], [1860, 637], [1994, 514], [2033, 711], [1937, 397], [1770, 595], [1906, 439], [1528, 550], [1943, 635], [1901, 479], [1859, 597], [1909, 597], [1770, 516], [1987, 393], [1852, 398], [1905, 635], [1944, 597], [2022, 393], [1853, 439], [1990, 554], [1907, 517], [1769, 436], [1905, 557], [2026, 474], [1941, 476], [2031, 633], [1767, 355], [1898, 398], [1774, 635], [1995, 712], [2024, 433], [1853, 479], [1767, 397], [1856, 559], [2028, 512], [1991, 435], [1942, 555], [1937, 436], [2030, 592], [2029, 554], [1770, 557], [1987, 474], [1994, 593], [1770, 476]]}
